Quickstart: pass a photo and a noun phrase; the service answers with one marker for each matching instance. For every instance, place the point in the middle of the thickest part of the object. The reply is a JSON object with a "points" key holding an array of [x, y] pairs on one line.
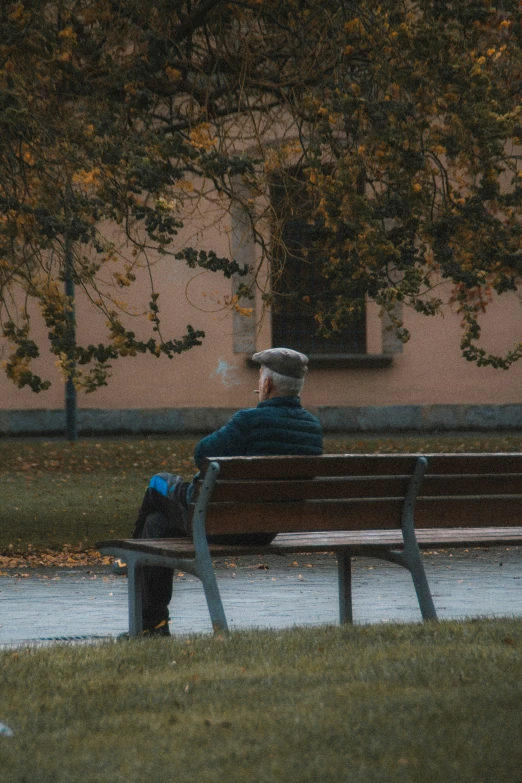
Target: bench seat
{"points": [[362, 542]]}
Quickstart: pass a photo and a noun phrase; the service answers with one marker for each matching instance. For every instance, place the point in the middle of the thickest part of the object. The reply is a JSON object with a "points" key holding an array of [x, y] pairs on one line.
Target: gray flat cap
{"points": [[284, 361]]}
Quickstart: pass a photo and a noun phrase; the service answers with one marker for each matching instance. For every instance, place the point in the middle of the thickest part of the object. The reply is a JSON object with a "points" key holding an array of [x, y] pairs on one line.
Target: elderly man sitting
{"points": [[278, 425]]}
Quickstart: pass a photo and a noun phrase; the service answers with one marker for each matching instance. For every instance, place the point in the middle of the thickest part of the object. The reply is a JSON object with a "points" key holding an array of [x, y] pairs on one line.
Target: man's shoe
{"points": [[119, 567], [161, 629]]}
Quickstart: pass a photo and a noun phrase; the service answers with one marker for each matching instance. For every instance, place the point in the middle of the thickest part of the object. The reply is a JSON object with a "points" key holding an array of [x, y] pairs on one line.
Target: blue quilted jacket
{"points": [[276, 426]]}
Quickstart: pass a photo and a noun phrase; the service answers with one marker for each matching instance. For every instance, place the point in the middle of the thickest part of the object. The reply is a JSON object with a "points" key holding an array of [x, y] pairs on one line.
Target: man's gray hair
{"points": [[285, 385]]}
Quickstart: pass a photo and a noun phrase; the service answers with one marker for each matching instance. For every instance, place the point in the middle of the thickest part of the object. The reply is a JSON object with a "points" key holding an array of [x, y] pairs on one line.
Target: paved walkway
{"points": [[272, 592]]}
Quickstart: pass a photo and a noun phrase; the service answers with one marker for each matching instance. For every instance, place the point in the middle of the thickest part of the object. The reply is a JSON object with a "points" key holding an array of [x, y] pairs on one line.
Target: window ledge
{"points": [[345, 361]]}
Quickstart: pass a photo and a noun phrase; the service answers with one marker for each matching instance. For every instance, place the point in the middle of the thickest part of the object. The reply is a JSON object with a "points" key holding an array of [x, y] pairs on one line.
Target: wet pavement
{"points": [[270, 592]]}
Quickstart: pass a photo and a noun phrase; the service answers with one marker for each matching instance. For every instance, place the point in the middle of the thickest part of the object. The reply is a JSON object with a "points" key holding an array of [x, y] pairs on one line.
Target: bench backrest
{"points": [[363, 492]]}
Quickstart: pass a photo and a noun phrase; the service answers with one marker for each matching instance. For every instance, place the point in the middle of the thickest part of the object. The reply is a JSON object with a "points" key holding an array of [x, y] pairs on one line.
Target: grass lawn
{"points": [[433, 703], [57, 495], [419, 703]]}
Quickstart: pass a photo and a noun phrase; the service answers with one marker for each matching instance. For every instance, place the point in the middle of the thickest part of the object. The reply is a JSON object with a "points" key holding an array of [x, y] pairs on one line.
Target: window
{"points": [[297, 279]]}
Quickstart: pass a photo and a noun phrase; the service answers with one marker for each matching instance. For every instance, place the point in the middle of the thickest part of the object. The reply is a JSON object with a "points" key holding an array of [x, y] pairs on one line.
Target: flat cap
{"points": [[285, 361]]}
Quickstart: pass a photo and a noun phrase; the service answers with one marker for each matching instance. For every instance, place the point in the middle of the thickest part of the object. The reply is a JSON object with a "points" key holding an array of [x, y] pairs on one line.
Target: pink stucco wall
{"points": [[430, 370]]}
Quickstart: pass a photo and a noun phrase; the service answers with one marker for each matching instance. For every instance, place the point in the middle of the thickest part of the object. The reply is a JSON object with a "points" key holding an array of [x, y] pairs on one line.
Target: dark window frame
{"points": [[293, 322]]}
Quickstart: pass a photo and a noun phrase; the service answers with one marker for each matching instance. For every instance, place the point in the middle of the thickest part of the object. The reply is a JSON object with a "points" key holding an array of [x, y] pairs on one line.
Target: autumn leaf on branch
{"points": [[396, 126], [407, 121], [104, 129]]}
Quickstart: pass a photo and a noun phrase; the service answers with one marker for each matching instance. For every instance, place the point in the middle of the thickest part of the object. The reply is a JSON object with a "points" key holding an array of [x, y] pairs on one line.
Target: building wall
{"points": [[429, 371]]}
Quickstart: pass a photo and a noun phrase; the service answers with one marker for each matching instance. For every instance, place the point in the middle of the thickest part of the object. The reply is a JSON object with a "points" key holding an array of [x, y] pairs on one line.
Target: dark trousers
{"points": [[164, 514], [161, 516]]}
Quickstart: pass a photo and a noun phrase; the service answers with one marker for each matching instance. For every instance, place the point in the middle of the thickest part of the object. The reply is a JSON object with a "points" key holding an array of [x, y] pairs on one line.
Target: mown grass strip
{"points": [[435, 703]]}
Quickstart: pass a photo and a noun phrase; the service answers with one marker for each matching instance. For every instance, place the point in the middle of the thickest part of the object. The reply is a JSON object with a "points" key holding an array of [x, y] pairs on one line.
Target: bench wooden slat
{"points": [[473, 512], [435, 538], [429, 537], [382, 513], [364, 465], [361, 487]]}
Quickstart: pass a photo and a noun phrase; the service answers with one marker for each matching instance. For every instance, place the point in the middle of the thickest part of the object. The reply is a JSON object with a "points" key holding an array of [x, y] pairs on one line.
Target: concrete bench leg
{"points": [[344, 562], [412, 556], [422, 587], [204, 568], [214, 603]]}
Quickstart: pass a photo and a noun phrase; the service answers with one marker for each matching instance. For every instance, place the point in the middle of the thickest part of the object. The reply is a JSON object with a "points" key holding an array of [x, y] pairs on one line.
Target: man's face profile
{"points": [[264, 386]]}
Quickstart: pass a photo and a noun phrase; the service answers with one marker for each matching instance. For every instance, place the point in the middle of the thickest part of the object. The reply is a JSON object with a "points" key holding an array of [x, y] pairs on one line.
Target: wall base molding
{"points": [[181, 421], [421, 418]]}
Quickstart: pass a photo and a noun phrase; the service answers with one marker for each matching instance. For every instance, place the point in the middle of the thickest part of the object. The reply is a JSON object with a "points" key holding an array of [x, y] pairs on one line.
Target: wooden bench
{"points": [[385, 506]]}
